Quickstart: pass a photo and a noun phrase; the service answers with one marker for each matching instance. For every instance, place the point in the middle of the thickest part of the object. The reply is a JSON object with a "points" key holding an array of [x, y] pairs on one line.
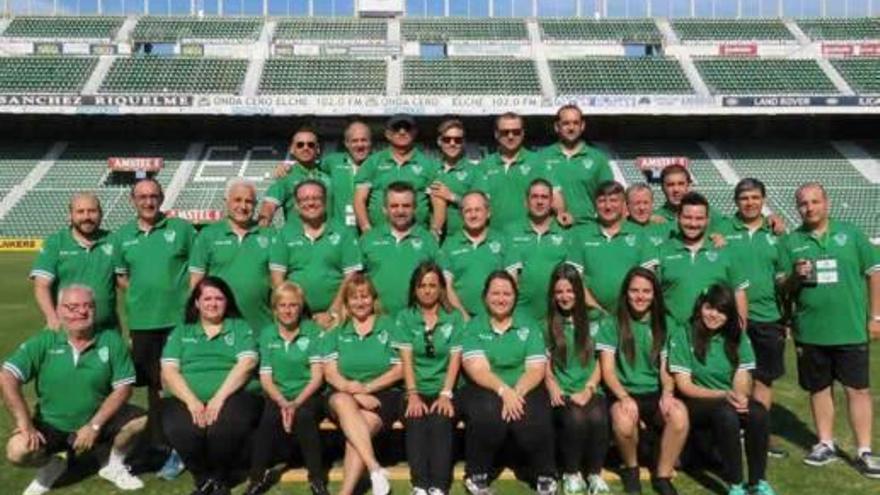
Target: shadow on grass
{"points": [[786, 424]]}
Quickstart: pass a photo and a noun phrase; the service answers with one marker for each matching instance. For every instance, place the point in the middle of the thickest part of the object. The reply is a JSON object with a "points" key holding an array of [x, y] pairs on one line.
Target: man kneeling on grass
{"points": [[83, 381]]}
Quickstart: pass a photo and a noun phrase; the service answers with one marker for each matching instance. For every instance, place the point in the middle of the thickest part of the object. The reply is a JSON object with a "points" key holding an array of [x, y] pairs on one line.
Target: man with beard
{"points": [[456, 175], [393, 250], [343, 167], [237, 251], [81, 253], [305, 150], [833, 275], [688, 263], [152, 252], [536, 244], [470, 254], [605, 250], [315, 254], [577, 167]]}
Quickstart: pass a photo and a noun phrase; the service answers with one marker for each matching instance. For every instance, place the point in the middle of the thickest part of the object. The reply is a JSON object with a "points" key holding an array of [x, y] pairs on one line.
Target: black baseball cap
{"points": [[400, 118]]}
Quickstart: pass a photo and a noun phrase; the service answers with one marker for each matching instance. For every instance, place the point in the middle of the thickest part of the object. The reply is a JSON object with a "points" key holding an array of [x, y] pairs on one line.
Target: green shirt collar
{"points": [[227, 228], [101, 236], [416, 157], [737, 224]]}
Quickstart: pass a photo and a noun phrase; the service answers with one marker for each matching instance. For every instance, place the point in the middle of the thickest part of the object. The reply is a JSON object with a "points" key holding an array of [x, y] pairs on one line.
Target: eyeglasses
{"points": [[429, 343], [452, 140], [79, 307], [305, 144], [510, 132]]}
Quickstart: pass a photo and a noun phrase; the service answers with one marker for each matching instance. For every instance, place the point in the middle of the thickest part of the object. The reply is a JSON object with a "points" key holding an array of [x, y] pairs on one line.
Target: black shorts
{"points": [[649, 409], [390, 404], [820, 365], [59, 440], [768, 341], [146, 352]]}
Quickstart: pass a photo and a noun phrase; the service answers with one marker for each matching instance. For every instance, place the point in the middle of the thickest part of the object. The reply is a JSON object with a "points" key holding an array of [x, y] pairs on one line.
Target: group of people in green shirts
{"points": [[529, 297]]}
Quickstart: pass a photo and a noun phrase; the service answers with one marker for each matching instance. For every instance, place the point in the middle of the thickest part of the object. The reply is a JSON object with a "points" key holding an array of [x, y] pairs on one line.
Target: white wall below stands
{"points": [[562, 51]]}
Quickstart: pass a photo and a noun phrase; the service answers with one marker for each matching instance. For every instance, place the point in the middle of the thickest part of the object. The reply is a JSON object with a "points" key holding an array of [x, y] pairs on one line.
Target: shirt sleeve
{"points": [[265, 353], [746, 353], [786, 262], [330, 347], [199, 257], [402, 336], [472, 347], [606, 339], [575, 255], [536, 349], [24, 363], [120, 265], [245, 343], [172, 353], [352, 259], [869, 256], [455, 340], [316, 349], [605, 172], [512, 257], [736, 272], [680, 356], [122, 368], [46, 264], [364, 176], [279, 253], [279, 192]]}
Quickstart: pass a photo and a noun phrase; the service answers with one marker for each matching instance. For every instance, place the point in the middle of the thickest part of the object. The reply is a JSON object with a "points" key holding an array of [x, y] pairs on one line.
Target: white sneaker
{"points": [[119, 475], [573, 484], [418, 491], [379, 482], [596, 485], [47, 476], [435, 491]]}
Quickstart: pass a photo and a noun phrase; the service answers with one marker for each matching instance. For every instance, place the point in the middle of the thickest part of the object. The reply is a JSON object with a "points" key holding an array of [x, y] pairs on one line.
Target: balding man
{"points": [[83, 381], [81, 253], [343, 167], [832, 275], [237, 251]]}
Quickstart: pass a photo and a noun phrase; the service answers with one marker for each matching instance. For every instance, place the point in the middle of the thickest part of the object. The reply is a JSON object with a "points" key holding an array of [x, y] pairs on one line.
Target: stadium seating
{"points": [[44, 74], [581, 30], [841, 29], [470, 76], [323, 76], [764, 76], [441, 30], [175, 75], [862, 74], [63, 27], [173, 29], [620, 75], [17, 161], [322, 29], [730, 30]]}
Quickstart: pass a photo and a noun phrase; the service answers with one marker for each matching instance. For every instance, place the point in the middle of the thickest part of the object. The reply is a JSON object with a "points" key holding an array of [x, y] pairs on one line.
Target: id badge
{"points": [[826, 271], [350, 220]]}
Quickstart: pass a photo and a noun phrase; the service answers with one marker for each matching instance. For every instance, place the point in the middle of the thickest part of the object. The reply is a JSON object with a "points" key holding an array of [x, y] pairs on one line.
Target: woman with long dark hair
{"points": [[428, 340], [206, 364], [505, 359], [712, 360], [579, 411], [631, 347]]}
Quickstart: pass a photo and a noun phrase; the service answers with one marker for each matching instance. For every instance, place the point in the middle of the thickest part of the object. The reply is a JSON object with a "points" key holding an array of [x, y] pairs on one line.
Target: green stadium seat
{"points": [[153, 74], [331, 29], [864, 28], [635, 30], [862, 74], [41, 27], [477, 75], [312, 75], [731, 30], [620, 75], [439, 30], [45, 74], [764, 76], [173, 29]]}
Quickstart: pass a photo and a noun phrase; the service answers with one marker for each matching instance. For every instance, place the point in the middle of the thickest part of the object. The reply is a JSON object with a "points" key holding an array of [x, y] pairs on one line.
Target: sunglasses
{"points": [[451, 140], [430, 351], [510, 132], [305, 144], [401, 126]]}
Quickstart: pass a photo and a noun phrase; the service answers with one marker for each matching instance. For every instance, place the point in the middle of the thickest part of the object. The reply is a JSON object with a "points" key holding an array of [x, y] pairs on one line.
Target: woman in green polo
{"points": [[505, 359], [580, 415], [428, 341], [363, 369], [631, 346], [712, 360], [291, 376], [206, 364]]}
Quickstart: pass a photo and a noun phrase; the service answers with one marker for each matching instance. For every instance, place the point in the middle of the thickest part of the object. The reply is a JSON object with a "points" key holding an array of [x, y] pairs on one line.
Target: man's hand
{"points": [[367, 401], [415, 406], [718, 240], [564, 218], [325, 320], [85, 439], [512, 405], [288, 413], [197, 411], [33, 438], [442, 191], [776, 224], [280, 171]]}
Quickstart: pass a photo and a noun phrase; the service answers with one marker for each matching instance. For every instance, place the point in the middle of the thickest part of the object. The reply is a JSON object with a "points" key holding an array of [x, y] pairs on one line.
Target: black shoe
{"points": [[629, 476], [211, 487], [319, 488], [259, 486], [478, 484], [663, 486]]}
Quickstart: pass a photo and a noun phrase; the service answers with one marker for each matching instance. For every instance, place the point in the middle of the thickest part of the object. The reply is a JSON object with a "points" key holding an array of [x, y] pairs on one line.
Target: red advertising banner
{"points": [[135, 164], [652, 166], [738, 50], [869, 49], [196, 216], [838, 49]]}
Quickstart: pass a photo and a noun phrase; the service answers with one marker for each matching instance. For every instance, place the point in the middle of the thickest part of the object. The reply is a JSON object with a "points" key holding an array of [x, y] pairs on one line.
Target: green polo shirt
{"points": [[281, 192], [579, 177], [716, 371], [641, 376], [205, 363], [469, 263], [342, 170], [446, 337], [390, 262], [380, 170], [362, 358], [507, 352], [655, 233], [670, 214], [243, 263], [535, 256], [317, 265], [685, 274], [71, 386], [64, 261], [506, 186], [758, 254], [573, 375], [605, 260], [459, 179], [834, 311], [289, 362], [155, 262]]}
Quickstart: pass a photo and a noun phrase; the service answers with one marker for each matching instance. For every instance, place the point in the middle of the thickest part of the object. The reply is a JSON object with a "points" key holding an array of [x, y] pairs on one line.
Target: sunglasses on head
{"points": [[305, 144], [510, 132], [452, 139]]}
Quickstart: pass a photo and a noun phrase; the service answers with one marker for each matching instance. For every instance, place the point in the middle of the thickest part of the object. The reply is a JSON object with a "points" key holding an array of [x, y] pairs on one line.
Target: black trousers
{"points": [[723, 422], [429, 449], [487, 433], [271, 441], [583, 434], [211, 452]]}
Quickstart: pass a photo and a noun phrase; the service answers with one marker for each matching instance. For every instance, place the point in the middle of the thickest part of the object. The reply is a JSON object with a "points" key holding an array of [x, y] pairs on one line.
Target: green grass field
{"points": [[791, 423]]}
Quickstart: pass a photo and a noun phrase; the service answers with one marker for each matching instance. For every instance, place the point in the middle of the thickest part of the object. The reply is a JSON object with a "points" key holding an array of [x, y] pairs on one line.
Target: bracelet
{"points": [[501, 390], [446, 393], [411, 391]]}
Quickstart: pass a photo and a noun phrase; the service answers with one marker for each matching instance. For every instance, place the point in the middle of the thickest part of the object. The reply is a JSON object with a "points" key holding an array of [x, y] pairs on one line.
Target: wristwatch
{"points": [[95, 427], [447, 393]]}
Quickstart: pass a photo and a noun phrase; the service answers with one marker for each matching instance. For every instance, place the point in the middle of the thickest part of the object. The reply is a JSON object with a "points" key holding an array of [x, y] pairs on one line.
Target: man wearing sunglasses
{"points": [[400, 162], [304, 151], [457, 174]]}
